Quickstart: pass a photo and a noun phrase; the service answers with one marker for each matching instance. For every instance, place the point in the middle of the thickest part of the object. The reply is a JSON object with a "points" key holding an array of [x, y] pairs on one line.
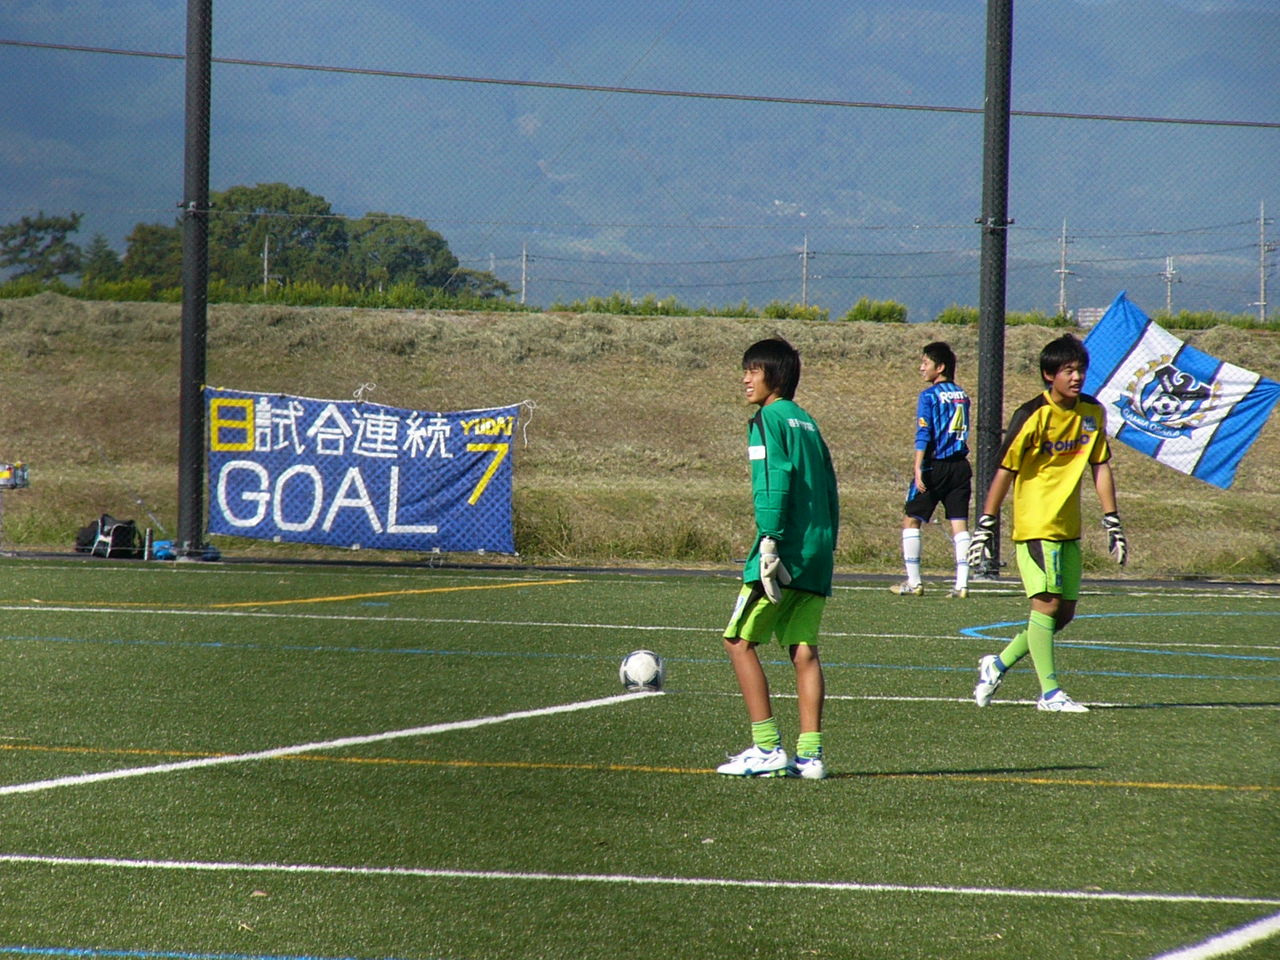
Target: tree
{"points": [[480, 283], [39, 248], [304, 240], [294, 236], [390, 250], [100, 264], [153, 252]]}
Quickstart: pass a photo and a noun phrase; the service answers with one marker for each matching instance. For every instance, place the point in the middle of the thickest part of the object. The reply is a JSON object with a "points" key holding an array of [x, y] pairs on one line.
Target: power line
{"points": [[643, 91]]}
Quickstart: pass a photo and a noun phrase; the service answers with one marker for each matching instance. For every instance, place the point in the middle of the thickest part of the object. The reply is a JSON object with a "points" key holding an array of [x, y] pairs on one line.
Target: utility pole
{"points": [[804, 273], [267, 275], [1263, 249], [1062, 271], [1170, 277], [266, 263], [524, 269]]}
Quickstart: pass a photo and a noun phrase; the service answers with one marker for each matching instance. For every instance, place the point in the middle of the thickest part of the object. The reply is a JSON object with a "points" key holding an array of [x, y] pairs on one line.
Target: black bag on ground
{"points": [[109, 537]]}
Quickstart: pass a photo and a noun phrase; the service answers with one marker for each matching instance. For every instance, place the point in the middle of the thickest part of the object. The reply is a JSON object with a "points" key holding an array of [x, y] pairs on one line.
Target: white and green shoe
{"points": [[807, 768], [755, 762]]}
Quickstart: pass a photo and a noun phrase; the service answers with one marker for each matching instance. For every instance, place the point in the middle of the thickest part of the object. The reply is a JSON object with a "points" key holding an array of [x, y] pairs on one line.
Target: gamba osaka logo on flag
{"points": [[1165, 401], [1179, 405]]}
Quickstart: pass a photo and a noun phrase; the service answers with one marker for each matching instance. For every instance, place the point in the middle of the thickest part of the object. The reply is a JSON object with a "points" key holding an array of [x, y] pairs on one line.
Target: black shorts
{"points": [[949, 483]]}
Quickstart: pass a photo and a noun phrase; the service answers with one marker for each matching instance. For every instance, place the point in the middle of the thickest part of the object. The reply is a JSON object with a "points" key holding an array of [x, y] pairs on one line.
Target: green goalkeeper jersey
{"points": [[793, 486]]}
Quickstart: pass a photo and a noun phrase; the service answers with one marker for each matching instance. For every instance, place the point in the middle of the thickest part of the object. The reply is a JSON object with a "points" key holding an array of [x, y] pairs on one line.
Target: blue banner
{"points": [[359, 474], [1176, 404]]}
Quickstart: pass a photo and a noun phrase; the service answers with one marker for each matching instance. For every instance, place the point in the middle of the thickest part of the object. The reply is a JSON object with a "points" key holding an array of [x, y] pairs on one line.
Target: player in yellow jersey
{"points": [[1050, 442]]}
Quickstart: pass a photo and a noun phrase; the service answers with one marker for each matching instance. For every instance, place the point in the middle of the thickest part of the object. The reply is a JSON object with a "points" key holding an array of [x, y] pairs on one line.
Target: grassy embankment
{"points": [[634, 452]]}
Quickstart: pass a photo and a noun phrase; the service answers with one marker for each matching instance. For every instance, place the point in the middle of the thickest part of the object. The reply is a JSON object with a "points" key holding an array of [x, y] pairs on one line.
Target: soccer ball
{"points": [[641, 670], [1165, 405]]}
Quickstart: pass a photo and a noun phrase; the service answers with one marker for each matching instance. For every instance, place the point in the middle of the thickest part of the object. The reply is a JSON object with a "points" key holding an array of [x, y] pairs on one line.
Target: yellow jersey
{"points": [[1048, 447]]}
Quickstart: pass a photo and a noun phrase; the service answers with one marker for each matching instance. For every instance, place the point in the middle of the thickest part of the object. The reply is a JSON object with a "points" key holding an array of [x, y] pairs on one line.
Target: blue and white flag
{"points": [[359, 474], [1173, 402]]}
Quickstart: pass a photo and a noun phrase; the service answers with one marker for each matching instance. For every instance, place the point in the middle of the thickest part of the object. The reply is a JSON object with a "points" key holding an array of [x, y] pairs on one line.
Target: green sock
{"points": [[1015, 651], [809, 744], [1040, 640], [765, 734]]}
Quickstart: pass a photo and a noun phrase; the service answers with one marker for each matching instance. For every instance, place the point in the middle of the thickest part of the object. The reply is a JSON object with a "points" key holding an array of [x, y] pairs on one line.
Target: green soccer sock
{"points": [[765, 734], [809, 744], [1015, 651], [1040, 627]]}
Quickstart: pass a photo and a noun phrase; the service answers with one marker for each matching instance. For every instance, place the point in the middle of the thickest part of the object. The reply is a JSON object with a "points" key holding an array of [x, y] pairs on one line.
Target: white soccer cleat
{"points": [[754, 762], [1060, 703], [908, 589], [958, 593], [989, 680], [807, 768]]}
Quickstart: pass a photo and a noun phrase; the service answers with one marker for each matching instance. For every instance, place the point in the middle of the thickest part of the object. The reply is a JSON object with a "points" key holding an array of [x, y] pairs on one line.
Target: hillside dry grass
{"points": [[635, 448]]}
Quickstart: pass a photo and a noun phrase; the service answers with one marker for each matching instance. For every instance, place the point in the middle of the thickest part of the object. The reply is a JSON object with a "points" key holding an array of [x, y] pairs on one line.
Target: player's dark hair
{"points": [[1058, 353], [780, 362], [940, 352]]}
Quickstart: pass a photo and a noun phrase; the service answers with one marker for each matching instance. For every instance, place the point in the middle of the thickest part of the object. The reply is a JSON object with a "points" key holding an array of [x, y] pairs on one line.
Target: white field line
{"points": [[1232, 941], [554, 624], [38, 785], [1008, 585], [635, 879]]}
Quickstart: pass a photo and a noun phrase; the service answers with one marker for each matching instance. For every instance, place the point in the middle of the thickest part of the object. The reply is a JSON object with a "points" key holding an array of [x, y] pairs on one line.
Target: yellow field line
{"points": [[278, 603], [390, 593], [637, 768]]}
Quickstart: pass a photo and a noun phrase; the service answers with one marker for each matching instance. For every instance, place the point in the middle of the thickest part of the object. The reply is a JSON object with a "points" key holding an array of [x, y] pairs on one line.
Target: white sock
{"points": [[911, 553], [961, 541]]}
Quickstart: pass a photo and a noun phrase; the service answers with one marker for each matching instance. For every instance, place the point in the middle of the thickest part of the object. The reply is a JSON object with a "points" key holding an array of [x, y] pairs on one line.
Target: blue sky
{"points": [[708, 200]]}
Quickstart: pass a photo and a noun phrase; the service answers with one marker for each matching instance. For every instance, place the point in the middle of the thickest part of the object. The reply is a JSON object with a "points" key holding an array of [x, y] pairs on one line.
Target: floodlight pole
{"points": [[195, 282], [994, 223]]}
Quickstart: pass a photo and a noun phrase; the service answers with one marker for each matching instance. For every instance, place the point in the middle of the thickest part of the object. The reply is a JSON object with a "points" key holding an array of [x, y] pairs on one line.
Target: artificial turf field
{"points": [[236, 760]]}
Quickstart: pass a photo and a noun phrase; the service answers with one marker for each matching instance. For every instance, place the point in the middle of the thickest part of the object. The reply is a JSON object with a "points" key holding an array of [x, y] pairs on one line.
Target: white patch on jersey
{"points": [[755, 452]]}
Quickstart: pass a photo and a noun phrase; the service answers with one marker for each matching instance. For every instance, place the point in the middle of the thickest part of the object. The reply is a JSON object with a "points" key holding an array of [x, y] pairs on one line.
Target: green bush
{"points": [[308, 293], [867, 310], [780, 310], [958, 315], [1208, 319], [1038, 319]]}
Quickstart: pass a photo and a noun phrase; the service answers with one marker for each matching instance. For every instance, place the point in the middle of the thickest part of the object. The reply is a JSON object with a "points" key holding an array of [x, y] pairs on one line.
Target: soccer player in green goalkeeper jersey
{"points": [[787, 577], [1051, 441]]}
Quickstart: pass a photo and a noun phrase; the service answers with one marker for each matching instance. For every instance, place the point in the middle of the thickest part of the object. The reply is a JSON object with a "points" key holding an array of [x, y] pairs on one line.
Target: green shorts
{"points": [[793, 620], [1050, 566]]}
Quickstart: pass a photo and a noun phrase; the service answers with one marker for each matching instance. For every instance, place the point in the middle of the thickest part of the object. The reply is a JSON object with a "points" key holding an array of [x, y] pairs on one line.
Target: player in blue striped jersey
{"points": [[941, 472]]}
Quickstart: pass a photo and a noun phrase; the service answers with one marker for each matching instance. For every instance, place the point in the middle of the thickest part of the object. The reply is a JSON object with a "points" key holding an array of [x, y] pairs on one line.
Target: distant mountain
{"points": [[711, 200]]}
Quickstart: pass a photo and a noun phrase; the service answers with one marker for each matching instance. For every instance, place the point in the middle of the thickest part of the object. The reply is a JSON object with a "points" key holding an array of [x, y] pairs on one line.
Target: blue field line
{"points": [[980, 631], [535, 655], [1164, 653], [81, 952]]}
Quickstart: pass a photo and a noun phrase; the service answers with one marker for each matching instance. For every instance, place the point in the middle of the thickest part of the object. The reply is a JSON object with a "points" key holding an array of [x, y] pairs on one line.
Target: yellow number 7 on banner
{"points": [[501, 450]]}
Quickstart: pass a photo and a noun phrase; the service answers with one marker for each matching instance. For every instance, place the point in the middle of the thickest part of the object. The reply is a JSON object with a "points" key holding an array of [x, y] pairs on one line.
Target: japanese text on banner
{"points": [[359, 474]]}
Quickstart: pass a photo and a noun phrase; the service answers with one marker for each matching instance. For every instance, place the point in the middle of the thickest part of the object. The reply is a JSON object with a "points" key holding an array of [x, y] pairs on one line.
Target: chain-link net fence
{"points": [[676, 151]]}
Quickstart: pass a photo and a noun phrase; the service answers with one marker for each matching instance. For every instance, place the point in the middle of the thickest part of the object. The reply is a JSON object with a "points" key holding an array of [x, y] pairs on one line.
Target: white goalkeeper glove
{"points": [[981, 553], [1116, 543], [773, 575]]}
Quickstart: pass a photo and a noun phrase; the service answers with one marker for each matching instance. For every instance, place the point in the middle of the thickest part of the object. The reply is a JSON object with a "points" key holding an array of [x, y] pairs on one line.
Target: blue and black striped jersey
{"points": [[942, 421]]}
